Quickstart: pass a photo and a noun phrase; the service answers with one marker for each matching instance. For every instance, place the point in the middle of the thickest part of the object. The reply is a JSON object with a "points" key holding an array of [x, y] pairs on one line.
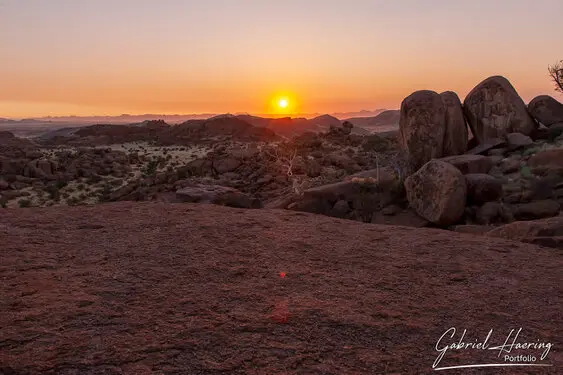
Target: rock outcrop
{"points": [[546, 110], [545, 232], [494, 109], [548, 161], [357, 198], [455, 139], [470, 163], [214, 194], [482, 188], [152, 288], [437, 192], [422, 127], [536, 210], [515, 141]]}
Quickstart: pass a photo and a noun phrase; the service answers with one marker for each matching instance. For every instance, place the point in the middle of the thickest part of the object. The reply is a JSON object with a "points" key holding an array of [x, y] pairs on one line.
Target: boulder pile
{"points": [[512, 168]]}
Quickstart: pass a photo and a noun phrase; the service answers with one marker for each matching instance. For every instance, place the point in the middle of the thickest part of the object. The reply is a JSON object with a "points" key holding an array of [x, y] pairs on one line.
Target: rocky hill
{"points": [[381, 122], [145, 288]]}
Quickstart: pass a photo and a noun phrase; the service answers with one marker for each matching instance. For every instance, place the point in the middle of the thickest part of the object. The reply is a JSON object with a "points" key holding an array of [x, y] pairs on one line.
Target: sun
{"points": [[282, 104]]}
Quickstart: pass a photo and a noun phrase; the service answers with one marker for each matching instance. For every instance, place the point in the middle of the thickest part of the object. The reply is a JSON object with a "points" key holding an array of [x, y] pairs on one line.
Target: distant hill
{"points": [[178, 118], [362, 113], [46, 130], [385, 119], [288, 126]]}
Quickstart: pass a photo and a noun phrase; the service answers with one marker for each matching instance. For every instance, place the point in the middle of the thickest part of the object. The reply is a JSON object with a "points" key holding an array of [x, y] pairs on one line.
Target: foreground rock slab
{"points": [[545, 232], [216, 194], [198, 289]]}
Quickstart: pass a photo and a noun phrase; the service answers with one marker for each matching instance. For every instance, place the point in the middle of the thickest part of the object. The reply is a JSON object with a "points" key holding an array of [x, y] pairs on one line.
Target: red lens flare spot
{"points": [[281, 313], [282, 275]]}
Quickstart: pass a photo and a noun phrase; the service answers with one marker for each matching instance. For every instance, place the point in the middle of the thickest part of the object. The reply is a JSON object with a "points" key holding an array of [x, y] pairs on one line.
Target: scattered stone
{"points": [[547, 134], [493, 213], [545, 187], [122, 192], [405, 218], [391, 210], [486, 146], [226, 165], [511, 166], [340, 209], [496, 159], [544, 232], [546, 110], [482, 188], [535, 210], [314, 206], [470, 163], [471, 229], [494, 109], [497, 152], [518, 140], [422, 127], [548, 161], [216, 194], [437, 192]]}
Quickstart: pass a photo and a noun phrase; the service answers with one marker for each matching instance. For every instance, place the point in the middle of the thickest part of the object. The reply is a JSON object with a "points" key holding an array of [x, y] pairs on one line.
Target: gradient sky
{"points": [[105, 57]]}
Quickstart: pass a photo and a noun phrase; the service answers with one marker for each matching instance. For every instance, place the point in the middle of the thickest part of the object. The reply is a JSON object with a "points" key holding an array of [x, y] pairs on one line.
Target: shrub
{"points": [[151, 167], [53, 192], [376, 143], [24, 203], [73, 201], [182, 173]]}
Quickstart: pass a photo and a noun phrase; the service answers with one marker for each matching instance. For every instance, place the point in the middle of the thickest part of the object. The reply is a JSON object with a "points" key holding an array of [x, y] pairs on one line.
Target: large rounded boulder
{"points": [[422, 127], [437, 192], [494, 109], [546, 110], [456, 137]]}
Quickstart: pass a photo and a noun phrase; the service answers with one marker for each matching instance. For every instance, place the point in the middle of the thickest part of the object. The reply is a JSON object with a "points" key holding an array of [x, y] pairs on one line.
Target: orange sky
{"points": [[103, 57]]}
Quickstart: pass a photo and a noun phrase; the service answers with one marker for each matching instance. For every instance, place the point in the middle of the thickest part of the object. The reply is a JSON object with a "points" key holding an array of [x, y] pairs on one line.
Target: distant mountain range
{"points": [[175, 119], [385, 120]]}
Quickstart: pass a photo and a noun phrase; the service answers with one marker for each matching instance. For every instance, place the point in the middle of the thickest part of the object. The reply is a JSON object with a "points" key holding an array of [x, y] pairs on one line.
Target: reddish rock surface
{"points": [[470, 163], [456, 135], [437, 192], [422, 127], [545, 232], [494, 108], [197, 289]]}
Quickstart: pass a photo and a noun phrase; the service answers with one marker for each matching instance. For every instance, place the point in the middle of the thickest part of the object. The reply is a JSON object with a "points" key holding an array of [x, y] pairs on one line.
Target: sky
{"points": [[108, 57]]}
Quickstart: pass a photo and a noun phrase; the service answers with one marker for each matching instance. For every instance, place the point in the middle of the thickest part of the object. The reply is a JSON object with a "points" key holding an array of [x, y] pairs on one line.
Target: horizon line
{"points": [[210, 114]]}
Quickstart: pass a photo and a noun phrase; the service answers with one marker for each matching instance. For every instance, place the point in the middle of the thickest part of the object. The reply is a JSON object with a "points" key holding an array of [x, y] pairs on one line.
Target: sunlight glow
{"points": [[283, 103]]}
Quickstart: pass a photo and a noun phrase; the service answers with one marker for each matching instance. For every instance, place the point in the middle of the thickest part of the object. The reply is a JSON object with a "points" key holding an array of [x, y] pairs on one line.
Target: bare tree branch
{"points": [[556, 73]]}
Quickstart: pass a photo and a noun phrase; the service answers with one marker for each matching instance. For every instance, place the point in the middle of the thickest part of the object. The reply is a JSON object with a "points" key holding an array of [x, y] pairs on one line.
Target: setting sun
{"points": [[283, 103]]}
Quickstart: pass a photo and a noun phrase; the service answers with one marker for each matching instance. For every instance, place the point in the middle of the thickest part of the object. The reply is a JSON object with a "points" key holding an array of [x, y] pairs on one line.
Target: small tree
{"points": [[286, 157], [556, 73]]}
